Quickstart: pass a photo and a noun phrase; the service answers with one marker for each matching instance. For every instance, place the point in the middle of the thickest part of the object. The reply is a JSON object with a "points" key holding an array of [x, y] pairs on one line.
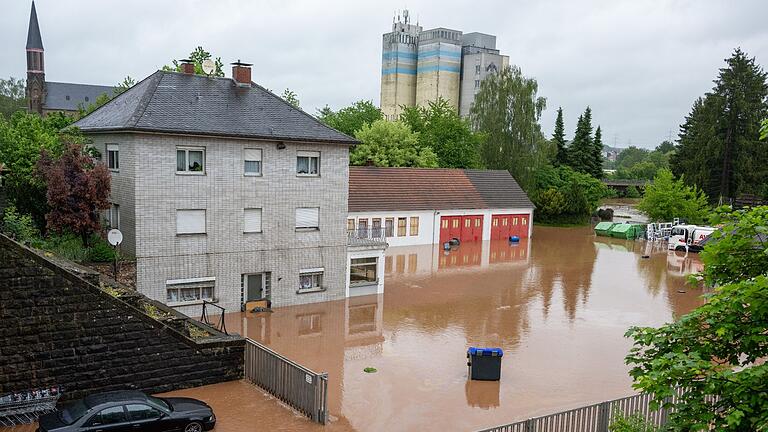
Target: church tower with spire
{"points": [[35, 65]]}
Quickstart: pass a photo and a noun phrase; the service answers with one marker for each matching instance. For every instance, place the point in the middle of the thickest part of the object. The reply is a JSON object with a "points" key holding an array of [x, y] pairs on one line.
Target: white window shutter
{"points": [[190, 221], [252, 220], [308, 217]]}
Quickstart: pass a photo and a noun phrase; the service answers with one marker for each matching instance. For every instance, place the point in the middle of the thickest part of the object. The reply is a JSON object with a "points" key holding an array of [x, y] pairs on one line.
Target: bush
{"points": [[632, 192], [565, 196], [100, 250], [668, 198], [633, 423], [67, 246], [20, 227]]}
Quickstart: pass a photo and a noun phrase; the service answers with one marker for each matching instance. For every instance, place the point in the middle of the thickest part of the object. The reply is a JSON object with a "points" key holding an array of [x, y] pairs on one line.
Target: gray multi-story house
{"points": [[225, 192]]}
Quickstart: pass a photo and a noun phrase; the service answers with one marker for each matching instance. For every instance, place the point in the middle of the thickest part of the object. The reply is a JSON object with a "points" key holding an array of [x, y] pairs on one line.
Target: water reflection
{"points": [[558, 304]]}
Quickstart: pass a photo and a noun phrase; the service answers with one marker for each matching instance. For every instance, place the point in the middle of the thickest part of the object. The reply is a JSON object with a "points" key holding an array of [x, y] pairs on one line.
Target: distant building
{"points": [[417, 206], [47, 96], [419, 66]]}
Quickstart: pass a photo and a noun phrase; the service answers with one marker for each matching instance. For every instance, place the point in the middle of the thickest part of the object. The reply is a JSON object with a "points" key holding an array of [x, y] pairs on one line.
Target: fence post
{"points": [[529, 425], [603, 412]]}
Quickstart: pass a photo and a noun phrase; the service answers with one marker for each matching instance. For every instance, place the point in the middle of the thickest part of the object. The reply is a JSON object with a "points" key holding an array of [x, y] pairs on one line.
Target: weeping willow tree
{"points": [[506, 111]]}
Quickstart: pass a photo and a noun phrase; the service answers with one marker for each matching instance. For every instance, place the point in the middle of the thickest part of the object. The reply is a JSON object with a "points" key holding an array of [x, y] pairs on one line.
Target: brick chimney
{"points": [[241, 73], [187, 66]]}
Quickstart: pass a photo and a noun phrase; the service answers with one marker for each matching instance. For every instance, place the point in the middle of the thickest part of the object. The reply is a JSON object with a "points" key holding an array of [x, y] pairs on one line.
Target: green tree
{"points": [[391, 144], [12, 96], [78, 190], [103, 98], [198, 56], [581, 151], [561, 158], [596, 160], [350, 119], [739, 249], [448, 135], [563, 195], [506, 111], [291, 97], [719, 148], [632, 192], [21, 140], [667, 198], [764, 130], [717, 352], [665, 147]]}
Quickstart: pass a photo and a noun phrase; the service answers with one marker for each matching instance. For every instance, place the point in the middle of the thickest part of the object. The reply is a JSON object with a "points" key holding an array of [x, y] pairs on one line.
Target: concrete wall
{"points": [[225, 252], [58, 329], [123, 185], [471, 77]]}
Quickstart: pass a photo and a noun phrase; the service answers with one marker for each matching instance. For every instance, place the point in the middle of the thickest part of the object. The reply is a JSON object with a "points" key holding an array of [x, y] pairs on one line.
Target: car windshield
{"points": [[71, 412], [160, 402]]}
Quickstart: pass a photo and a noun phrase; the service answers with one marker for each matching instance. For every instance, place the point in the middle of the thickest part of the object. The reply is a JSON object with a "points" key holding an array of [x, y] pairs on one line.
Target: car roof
{"points": [[114, 396]]}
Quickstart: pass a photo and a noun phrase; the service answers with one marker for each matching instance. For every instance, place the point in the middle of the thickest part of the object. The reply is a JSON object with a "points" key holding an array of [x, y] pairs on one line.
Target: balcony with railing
{"points": [[367, 237]]}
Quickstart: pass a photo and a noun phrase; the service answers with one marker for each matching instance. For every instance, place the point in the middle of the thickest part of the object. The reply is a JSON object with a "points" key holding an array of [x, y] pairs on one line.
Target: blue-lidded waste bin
{"points": [[484, 363]]}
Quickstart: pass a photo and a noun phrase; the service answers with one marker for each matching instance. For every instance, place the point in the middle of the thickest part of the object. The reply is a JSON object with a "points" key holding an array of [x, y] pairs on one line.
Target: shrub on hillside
{"points": [[19, 227], [101, 251]]}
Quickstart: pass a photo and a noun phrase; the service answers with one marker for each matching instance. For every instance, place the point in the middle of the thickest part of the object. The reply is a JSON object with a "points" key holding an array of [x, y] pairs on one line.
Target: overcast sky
{"points": [[638, 64]]}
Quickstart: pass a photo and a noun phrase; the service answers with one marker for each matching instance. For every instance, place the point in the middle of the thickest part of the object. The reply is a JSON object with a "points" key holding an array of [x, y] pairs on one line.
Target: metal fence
{"points": [[366, 237], [304, 390], [592, 418]]}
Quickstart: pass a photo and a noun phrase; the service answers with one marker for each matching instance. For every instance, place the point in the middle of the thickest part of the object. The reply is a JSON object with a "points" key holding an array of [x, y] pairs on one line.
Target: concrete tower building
{"points": [[439, 66], [480, 58], [398, 66], [419, 66]]}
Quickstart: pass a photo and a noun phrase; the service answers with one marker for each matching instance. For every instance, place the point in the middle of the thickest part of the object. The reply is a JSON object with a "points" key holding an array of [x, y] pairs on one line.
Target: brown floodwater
{"points": [[557, 304]]}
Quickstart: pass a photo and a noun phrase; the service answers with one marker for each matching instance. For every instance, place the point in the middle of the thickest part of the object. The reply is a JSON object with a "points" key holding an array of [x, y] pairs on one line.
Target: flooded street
{"points": [[558, 304]]}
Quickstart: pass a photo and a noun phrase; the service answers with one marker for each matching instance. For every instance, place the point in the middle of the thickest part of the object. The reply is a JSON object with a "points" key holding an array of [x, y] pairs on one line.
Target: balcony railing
{"points": [[367, 237]]}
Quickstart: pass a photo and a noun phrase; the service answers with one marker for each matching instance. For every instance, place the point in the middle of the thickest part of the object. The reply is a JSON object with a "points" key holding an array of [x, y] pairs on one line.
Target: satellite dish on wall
{"points": [[114, 237], [209, 66]]}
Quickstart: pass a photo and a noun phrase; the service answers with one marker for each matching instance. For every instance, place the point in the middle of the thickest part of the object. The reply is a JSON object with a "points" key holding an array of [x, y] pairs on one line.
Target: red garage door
{"points": [[504, 226], [465, 228]]}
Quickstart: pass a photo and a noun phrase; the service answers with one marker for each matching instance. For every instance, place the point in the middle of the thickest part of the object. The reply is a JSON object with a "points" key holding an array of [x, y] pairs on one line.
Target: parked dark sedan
{"points": [[122, 411]]}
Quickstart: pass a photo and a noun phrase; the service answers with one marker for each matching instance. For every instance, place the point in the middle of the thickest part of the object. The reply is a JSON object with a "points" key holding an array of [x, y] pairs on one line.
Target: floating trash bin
{"points": [[514, 239], [484, 363], [447, 246]]}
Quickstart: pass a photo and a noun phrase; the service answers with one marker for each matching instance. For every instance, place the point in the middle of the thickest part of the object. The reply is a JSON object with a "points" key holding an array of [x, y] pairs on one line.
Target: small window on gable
{"points": [[252, 162], [308, 163], [190, 160], [252, 220], [113, 157]]}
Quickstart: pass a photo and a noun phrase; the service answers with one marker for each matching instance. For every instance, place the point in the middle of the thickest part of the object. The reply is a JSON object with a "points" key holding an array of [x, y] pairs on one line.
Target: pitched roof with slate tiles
{"points": [[173, 102], [411, 189], [70, 97]]}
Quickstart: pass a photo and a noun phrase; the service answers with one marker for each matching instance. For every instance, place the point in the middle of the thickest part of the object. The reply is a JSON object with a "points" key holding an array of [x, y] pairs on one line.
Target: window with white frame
{"points": [[252, 220], [308, 218], [363, 270], [190, 221], [113, 216], [311, 279], [252, 162], [113, 157], [190, 160], [308, 163], [190, 290]]}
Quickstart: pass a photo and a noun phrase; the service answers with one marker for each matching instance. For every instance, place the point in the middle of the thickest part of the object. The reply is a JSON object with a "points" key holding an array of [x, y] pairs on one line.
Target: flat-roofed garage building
{"points": [[413, 206]]}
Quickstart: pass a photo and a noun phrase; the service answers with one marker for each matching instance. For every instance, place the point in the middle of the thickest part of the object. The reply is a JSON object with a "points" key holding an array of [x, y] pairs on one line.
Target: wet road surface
{"points": [[558, 305]]}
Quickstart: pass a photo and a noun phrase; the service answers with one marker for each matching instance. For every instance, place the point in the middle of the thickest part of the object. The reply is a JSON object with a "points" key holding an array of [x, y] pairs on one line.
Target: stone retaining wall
{"points": [[58, 329]]}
